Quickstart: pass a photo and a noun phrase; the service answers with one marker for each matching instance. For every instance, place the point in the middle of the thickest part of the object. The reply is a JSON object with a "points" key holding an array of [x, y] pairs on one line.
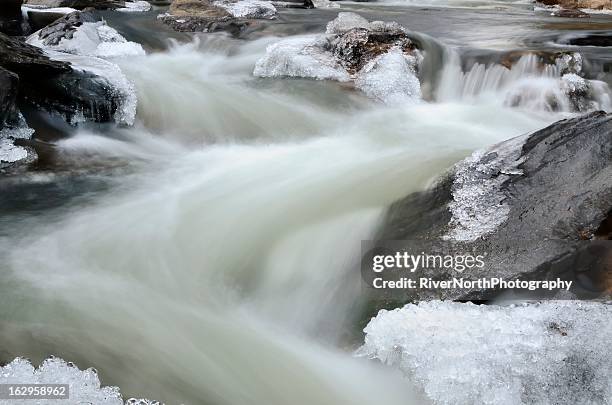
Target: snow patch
{"points": [[84, 386], [465, 354]]}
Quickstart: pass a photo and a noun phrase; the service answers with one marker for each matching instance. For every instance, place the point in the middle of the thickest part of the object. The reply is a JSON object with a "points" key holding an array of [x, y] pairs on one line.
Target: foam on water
{"points": [[464, 354]]}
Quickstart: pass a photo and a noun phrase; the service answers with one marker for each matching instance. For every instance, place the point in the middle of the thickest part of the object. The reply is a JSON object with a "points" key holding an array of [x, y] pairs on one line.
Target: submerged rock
{"points": [[464, 354], [378, 57], [527, 204], [211, 16]]}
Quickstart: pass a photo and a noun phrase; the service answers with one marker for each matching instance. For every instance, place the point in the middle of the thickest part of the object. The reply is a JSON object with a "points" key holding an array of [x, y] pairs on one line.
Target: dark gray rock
{"points": [[54, 86], [536, 206], [64, 27], [79, 4], [9, 83]]}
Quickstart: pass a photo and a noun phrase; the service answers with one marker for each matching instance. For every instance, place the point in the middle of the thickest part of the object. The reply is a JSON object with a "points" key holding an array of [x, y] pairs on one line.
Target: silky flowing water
{"points": [[209, 254]]}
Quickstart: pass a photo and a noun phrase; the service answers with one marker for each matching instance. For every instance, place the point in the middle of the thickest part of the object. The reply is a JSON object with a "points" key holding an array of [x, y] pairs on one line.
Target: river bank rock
{"points": [[9, 83], [579, 4], [533, 205], [377, 57], [78, 4], [211, 16]]}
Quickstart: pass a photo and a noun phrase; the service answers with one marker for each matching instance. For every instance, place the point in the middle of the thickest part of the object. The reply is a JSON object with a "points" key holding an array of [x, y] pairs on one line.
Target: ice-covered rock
{"points": [[135, 6], [377, 57], [11, 153], [533, 354], [532, 212], [84, 385], [89, 46], [391, 78], [248, 8]]}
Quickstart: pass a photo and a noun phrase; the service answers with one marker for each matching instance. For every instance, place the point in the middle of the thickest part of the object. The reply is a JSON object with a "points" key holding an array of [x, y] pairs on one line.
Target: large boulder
{"points": [[534, 206], [377, 57], [55, 86]]}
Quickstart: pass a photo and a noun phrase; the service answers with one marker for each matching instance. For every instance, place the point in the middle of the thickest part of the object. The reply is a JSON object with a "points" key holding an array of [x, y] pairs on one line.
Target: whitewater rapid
{"points": [[221, 268]]}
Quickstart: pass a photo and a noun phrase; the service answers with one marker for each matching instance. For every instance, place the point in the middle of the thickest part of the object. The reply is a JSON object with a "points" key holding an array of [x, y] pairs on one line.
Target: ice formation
{"points": [[248, 8], [9, 152], [390, 77], [477, 207], [84, 386], [89, 49], [464, 354], [135, 6]]}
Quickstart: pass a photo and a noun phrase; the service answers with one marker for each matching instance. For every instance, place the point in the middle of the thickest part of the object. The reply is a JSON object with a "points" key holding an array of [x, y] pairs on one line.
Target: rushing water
{"points": [[208, 254]]}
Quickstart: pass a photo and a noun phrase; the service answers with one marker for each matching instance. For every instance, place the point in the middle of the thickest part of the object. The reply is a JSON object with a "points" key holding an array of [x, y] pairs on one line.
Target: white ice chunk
{"points": [[84, 386], [9, 152], [135, 6], [391, 78], [533, 354], [345, 22], [248, 8], [299, 57]]}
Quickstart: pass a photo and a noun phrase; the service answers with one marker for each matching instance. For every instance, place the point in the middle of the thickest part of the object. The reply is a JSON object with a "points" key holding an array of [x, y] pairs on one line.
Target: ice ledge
{"points": [[465, 354]]}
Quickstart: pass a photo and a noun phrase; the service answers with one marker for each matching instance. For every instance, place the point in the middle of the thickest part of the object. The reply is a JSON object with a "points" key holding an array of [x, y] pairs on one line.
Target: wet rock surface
{"points": [[78, 4], [529, 204], [211, 16]]}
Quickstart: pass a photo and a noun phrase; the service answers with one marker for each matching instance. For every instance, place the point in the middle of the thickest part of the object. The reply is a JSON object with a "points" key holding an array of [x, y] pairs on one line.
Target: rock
{"points": [[11, 18], [579, 4], [257, 9], [78, 4], [377, 57], [54, 86], [64, 28], [527, 203], [9, 83], [565, 13], [211, 16], [39, 18], [592, 40]]}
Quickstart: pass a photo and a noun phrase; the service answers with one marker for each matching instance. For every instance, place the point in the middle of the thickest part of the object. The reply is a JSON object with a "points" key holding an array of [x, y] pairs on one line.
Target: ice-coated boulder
{"points": [[377, 57], [533, 354], [535, 206]]}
